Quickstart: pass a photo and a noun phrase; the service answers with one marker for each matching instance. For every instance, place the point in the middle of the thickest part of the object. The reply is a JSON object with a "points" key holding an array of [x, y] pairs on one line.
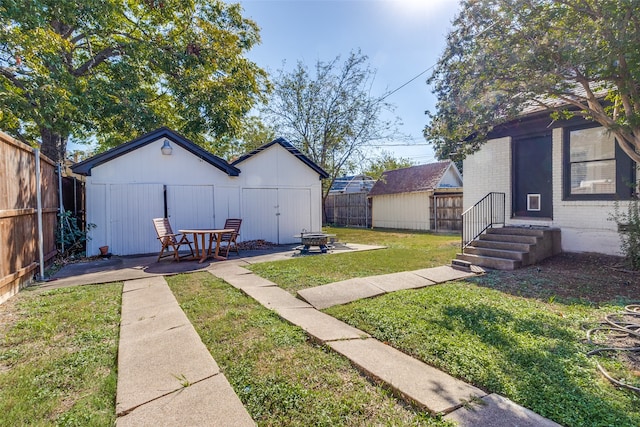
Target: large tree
{"points": [[506, 57], [112, 69], [330, 114]]}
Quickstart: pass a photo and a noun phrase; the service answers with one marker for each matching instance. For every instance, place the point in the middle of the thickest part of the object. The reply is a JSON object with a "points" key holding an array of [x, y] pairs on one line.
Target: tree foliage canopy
{"points": [[112, 69], [507, 57], [329, 115], [386, 161]]}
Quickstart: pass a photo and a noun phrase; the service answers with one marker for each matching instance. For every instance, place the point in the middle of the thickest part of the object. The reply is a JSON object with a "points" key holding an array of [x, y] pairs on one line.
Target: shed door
{"points": [[190, 206], [275, 215], [260, 214], [131, 209], [295, 213], [532, 177]]}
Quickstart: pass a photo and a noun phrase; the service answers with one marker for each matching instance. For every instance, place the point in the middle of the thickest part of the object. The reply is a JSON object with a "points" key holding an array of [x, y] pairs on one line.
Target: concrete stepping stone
{"points": [[227, 270], [399, 281], [497, 411], [211, 402], [339, 293], [408, 377], [442, 274], [241, 281], [274, 297], [320, 326]]}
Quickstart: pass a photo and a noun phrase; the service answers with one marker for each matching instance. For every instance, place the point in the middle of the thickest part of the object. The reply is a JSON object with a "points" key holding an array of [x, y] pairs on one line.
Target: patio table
{"points": [[214, 234]]}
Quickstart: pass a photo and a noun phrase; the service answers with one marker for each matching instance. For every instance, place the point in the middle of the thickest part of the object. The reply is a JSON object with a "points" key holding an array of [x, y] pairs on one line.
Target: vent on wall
{"points": [[533, 202]]}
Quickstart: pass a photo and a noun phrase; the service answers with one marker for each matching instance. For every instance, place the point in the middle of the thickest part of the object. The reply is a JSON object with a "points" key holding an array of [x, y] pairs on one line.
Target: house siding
{"points": [[585, 225], [488, 170]]}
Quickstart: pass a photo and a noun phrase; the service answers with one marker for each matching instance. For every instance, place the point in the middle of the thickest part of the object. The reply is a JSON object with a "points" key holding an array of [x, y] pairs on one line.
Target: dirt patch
{"points": [[590, 277]]}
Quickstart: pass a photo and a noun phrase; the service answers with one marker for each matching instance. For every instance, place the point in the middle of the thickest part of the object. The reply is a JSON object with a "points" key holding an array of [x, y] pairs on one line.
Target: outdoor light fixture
{"points": [[166, 148]]}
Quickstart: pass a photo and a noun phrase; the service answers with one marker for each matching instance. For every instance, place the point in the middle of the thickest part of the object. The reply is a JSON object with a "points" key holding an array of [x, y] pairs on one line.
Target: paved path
{"points": [[167, 377], [407, 377]]}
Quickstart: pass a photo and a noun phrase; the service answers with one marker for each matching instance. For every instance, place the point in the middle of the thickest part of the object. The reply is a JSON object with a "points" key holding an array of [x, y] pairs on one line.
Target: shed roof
{"points": [[290, 148], [84, 167], [411, 179]]}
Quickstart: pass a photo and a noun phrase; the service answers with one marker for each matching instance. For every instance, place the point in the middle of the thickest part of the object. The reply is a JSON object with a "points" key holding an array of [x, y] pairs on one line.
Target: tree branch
{"points": [[99, 58]]}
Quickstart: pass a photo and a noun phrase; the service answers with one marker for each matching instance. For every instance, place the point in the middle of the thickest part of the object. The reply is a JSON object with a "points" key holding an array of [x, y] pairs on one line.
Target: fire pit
{"points": [[314, 239]]}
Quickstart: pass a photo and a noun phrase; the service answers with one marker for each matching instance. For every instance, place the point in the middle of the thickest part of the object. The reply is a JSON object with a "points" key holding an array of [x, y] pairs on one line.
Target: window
{"points": [[595, 167]]}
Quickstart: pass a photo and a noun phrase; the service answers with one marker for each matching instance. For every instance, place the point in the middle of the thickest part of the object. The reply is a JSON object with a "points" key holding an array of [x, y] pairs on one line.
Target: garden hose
{"points": [[619, 329]]}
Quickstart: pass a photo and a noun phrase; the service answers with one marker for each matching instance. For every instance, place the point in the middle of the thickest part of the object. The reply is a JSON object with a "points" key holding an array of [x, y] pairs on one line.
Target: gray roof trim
{"points": [[290, 148], [84, 167]]}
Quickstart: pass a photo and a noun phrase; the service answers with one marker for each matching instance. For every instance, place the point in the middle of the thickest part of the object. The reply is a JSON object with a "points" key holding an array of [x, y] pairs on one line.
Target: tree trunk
{"points": [[54, 145]]}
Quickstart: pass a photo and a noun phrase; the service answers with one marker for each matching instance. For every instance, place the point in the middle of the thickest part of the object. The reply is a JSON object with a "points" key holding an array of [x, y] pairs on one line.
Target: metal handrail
{"points": [[489, 211]]}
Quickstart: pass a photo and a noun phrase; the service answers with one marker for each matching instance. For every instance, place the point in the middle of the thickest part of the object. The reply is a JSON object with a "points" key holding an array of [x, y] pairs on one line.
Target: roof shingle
{"points": [[411, 179]]}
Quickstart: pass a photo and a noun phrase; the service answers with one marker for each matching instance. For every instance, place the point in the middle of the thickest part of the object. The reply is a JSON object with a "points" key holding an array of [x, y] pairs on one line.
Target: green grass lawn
{"points": [[405, 251], [530, 350], [281, 377], [58, 349], [58, 353]]}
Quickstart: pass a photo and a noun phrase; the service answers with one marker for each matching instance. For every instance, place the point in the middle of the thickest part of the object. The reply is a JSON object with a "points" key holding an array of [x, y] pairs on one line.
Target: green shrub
{"points": [[629, 229]]}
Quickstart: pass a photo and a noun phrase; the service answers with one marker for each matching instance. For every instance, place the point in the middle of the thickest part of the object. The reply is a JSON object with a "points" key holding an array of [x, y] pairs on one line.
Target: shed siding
{"points": [[279, 215], [190, 206], [191, 183], [406, 211], [130, 213], [584, 224], [276, 195]]}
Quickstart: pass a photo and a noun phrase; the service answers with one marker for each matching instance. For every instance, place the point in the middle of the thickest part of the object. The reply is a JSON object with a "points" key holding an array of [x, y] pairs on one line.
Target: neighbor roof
{"points": [[84, 167], [411, 179], [290, 148]]}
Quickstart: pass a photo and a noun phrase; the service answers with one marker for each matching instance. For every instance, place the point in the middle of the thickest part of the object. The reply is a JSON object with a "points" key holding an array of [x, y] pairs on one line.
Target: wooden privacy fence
{"points": [[18, 213], [446, 212], [348, 210]]}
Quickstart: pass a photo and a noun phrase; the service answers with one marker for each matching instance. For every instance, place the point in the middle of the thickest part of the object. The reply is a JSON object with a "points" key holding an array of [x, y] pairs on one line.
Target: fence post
{"points": [[39, 214]]}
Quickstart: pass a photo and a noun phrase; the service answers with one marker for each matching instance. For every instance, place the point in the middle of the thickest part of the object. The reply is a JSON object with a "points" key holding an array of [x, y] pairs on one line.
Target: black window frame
{"points": [[625, 170]]}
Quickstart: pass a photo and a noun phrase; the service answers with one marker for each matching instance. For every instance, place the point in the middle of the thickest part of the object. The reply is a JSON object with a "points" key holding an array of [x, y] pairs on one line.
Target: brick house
{"points": [[555, 175]]}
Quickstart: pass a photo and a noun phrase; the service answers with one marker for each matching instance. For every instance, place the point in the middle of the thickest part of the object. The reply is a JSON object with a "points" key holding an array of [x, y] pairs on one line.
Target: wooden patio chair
{"points": [[169, 239], [228, 240]]}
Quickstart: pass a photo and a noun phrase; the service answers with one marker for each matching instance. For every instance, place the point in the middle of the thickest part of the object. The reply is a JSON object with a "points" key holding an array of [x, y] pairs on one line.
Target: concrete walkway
{"points": [[407, 377], [167, 377]]}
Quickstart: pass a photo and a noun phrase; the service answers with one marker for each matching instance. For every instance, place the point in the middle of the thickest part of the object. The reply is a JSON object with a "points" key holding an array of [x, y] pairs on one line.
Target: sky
{"points": [[402, 39]]}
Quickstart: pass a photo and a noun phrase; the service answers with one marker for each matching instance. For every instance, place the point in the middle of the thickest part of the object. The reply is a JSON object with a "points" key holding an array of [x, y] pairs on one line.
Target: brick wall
{"points": [[584, 224]]}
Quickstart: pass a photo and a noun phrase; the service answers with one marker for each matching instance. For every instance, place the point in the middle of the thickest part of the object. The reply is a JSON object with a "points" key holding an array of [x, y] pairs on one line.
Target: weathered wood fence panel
{"points": [[348, 210], [18, 214], [446, 212]]}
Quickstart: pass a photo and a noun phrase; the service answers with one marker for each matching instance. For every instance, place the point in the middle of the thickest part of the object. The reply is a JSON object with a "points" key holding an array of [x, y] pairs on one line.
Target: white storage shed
{"points": [[163, 174], [281, 193]]}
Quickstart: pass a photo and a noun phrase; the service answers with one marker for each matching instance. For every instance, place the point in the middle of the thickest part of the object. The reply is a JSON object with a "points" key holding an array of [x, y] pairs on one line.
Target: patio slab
{"points": [[410, 378], [339, 293], [442, 274], [274, 297], [399, 281], [211, 402], [497, 411], [320, 326]]}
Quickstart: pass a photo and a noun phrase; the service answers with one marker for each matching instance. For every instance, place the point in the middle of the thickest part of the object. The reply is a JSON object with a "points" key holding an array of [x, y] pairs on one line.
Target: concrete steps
{"points": [[511, 247]]}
